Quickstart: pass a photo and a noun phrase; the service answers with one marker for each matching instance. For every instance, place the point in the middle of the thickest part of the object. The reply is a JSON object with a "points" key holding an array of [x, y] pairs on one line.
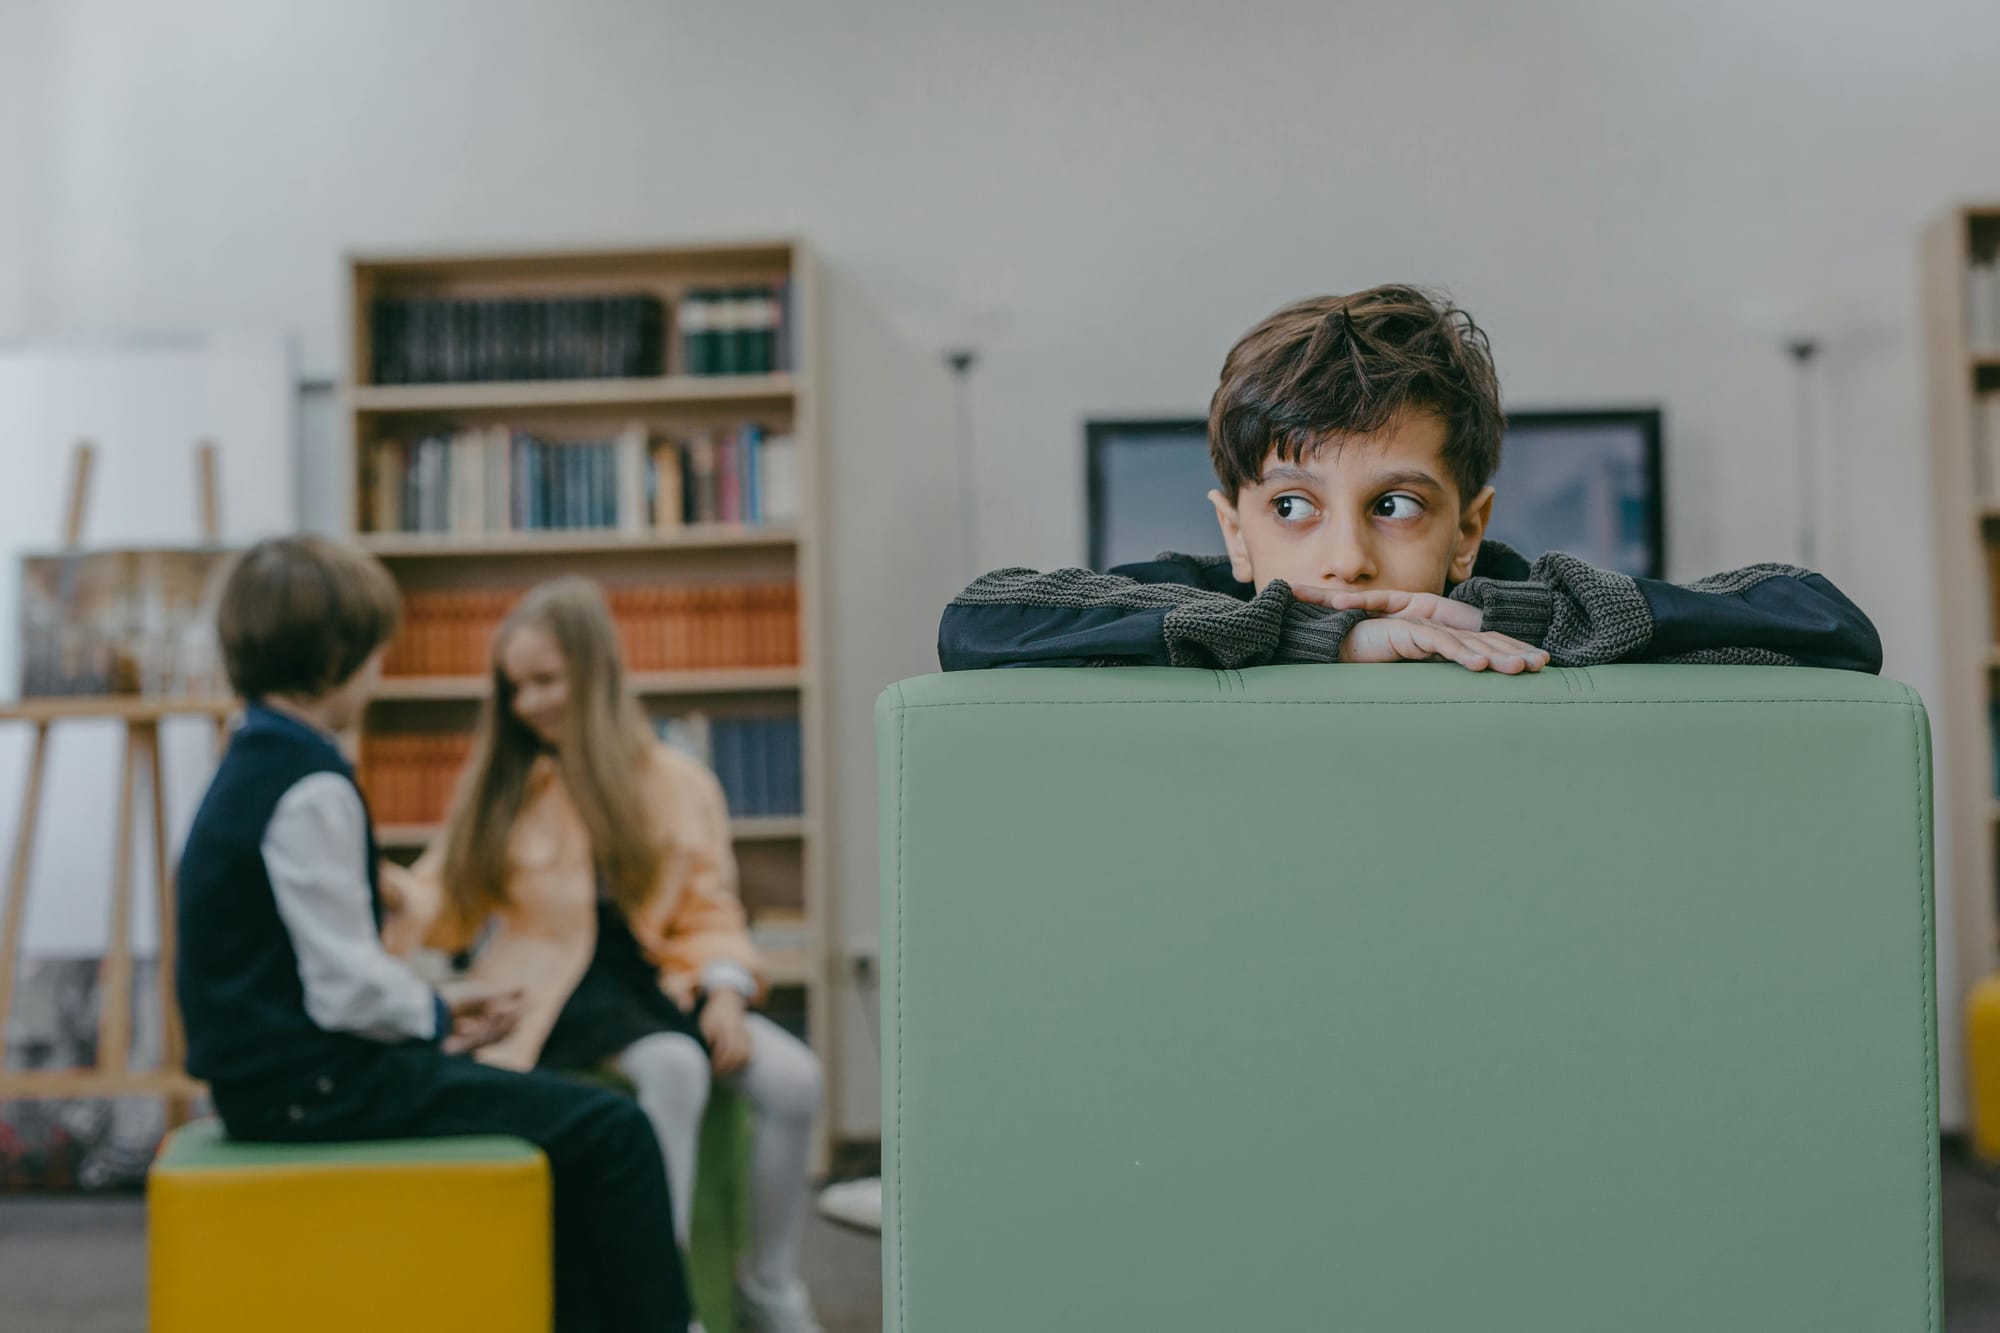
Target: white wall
{"points": [[1640, 202], [144, 403]]}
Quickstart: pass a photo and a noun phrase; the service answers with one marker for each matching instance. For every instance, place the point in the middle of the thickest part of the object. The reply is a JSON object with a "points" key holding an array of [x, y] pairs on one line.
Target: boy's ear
{"points": [[1232, 537], [1472, 521]]}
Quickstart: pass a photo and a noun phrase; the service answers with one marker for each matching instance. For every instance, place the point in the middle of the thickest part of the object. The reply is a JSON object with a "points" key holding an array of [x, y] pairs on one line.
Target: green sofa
{"points": [[1404, 998]]}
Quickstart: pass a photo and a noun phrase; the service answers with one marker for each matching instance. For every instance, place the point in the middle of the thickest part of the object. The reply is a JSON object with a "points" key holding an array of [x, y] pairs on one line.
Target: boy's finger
{"points": [[1450, 644], [1375, 599], [1415, 605]]}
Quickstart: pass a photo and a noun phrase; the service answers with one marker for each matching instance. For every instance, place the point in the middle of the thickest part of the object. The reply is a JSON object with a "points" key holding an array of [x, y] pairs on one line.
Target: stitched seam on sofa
{"points": [[1396, 703], [902, 980], [1926, 998]]}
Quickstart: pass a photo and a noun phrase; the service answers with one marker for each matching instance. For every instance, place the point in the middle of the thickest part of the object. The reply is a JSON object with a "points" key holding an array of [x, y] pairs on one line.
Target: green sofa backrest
{"points": [[1405, 998]]}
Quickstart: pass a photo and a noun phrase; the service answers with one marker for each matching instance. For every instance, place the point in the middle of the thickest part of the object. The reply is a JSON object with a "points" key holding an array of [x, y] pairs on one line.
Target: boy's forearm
{"points": [[1076, 617], [1775, 615]]}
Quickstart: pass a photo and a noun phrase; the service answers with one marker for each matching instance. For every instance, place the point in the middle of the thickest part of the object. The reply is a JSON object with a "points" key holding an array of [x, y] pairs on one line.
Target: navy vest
{"points": [[241, 999]]}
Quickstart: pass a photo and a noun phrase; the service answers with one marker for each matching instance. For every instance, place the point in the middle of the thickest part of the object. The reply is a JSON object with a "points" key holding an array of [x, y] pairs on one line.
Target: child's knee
{"points": [[667, 1066], [793, 1083]]}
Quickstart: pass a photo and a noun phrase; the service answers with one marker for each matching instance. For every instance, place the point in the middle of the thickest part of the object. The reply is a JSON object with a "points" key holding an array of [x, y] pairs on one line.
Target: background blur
{"points": [[1641, 204]]}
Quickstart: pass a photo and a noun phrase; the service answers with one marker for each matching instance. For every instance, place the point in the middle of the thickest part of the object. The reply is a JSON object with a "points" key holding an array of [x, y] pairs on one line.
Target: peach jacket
{"points": [[692, 927]]}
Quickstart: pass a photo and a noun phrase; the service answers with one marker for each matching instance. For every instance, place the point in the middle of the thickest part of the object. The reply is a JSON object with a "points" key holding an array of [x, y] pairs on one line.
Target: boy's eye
{"points": [[1398, 506], [1293, 508]]}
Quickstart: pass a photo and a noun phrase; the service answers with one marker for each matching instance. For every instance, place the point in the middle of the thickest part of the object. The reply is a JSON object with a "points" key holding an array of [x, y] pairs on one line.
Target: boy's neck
{"points": [[315, 713]]}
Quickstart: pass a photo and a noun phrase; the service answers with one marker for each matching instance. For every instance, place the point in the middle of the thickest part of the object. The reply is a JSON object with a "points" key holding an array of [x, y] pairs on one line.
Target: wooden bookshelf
{"points": [[777, 828], [1966, 492], [716, 391], [645, 684], [693, 537], [784, 860]]}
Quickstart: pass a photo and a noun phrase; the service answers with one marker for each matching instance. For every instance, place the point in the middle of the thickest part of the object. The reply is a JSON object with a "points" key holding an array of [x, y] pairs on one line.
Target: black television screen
{"points": [[1585, 482]]}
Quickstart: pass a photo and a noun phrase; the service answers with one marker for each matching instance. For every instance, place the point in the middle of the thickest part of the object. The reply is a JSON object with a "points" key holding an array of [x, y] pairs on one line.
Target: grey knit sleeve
{"points": [[1077, 617], [1313, 633], [1761, 615], [1587, 616]]}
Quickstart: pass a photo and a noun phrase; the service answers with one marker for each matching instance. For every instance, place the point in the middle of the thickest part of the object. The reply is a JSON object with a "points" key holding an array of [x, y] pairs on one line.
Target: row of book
{"points": [[736, 330], [1986, 443], [1993, 729], [409, 778], [737, 475], [673, 627], [1982, 305], [756, 759], [780, 929], [495, 479], [447, 341]]}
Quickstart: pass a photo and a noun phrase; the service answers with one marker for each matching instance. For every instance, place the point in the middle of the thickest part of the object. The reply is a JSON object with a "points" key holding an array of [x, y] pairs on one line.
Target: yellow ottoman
{"points": [[1982, 1056], [412, 1236]]}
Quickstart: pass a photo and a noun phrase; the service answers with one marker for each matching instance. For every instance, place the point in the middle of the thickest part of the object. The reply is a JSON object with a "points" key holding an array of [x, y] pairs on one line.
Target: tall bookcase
{"points": [[1962, 336], [670, 393]]}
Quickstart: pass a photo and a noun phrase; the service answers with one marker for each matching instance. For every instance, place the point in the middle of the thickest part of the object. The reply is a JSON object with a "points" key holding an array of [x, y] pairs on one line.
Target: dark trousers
{"points": [[617, 1269]]}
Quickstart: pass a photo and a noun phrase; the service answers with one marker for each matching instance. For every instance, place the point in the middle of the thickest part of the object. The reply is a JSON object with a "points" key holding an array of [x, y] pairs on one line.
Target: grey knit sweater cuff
{"points": [[1314, 633], [1519, 610]]}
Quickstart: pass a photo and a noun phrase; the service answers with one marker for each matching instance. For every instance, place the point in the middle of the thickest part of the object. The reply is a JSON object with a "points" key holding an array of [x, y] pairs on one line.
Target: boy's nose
{"points": [[1345, 558]]}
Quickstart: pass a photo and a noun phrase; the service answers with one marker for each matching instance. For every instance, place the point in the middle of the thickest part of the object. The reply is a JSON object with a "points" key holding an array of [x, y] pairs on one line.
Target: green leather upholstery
{"points": [[1407, 999]]}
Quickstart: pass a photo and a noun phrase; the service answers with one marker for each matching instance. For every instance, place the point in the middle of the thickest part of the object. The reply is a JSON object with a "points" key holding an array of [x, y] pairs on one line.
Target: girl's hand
{"points": [[480, 1017], [728, 1035]]}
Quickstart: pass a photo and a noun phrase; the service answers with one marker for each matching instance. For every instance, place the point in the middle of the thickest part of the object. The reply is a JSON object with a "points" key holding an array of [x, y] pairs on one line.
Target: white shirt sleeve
{"points": [[315, 852]]}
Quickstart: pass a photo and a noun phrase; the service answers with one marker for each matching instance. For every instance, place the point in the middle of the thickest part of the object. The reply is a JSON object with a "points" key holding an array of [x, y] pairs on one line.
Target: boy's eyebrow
{"points": [[1289, 472], [1305, 476], [1409, 478]]}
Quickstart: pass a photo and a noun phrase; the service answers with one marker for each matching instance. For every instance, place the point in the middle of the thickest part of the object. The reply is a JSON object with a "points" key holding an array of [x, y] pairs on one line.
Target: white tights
{"points": [[782, 1080]]}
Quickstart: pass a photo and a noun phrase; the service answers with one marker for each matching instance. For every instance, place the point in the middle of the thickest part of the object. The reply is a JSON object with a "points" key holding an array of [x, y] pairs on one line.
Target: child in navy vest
{"points": [[303, 1025]]}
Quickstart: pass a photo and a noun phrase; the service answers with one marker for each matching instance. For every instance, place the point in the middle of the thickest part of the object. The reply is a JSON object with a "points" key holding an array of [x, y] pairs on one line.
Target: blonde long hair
{"points": [[604, 741]]}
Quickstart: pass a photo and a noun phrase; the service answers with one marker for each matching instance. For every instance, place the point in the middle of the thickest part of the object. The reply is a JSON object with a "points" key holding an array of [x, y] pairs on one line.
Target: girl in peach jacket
{"points": [[589, 867]]}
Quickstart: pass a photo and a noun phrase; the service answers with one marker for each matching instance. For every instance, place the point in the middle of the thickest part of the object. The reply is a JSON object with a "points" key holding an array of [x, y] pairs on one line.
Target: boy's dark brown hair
{"points": [[299, 615], [1338, 365]]}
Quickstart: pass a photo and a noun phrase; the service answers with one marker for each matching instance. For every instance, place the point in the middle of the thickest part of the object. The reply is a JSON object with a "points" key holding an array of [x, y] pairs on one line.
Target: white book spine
{"points": [[1979, 306], [474, 459], [1988, 419], [632, 478], [780, 461]]}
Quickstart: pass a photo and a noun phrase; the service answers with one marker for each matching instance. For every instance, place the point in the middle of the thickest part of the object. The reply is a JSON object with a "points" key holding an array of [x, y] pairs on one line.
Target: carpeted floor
{"points": [[78, 1265]]}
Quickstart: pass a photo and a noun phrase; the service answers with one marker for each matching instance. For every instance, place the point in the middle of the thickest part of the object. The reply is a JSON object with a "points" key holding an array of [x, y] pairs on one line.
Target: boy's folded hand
{"points": [[1423, 627], [1394, 639], [1387, 602]]}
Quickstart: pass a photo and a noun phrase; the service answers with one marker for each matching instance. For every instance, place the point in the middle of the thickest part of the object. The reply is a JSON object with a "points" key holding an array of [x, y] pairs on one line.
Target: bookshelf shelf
{"points": [[720, 391], [647, 684], [406, 836], [694, 537], [771, 828], [747, 306], [1961, 324], [789, 967]]}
